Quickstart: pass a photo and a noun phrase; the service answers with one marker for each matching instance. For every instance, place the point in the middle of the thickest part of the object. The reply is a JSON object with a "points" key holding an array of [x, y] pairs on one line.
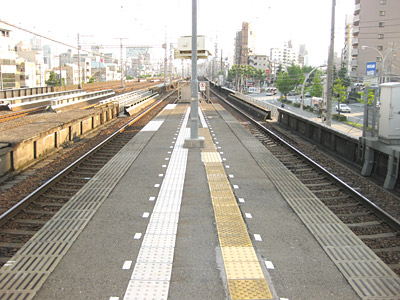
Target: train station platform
{"points": [[227, 221]]}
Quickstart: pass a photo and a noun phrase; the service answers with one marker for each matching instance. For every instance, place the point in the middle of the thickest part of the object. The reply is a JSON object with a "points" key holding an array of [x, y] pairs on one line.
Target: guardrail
{"points": [[13, 93], [24, 102], [128, 100], [260, 104], [61, 103]]}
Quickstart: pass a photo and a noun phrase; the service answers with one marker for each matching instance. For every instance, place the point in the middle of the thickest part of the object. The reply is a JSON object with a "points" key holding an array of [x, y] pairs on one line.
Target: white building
{"points": [[259, 62], [35, 57], [72, 74], [8, 67], [348, 44], [285, 56]]}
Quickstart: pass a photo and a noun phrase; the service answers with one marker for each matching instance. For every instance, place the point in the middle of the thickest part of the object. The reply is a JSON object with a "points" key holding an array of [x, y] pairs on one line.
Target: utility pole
{"points": [[330, 69], [59, 57], [79, 65], [222, 71], [165, 59], [122, 73]]}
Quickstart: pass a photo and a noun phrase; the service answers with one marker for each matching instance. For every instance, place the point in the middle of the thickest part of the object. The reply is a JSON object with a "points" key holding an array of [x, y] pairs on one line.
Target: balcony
{"points": [[356, 30], [356, 20], [353, 74], [355, 42], [354, 63], [357, 8], [354, 52]]}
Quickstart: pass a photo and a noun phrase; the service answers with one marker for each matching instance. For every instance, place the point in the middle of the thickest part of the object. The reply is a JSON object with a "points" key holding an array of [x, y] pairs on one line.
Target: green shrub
{"points": [[341, 118]]}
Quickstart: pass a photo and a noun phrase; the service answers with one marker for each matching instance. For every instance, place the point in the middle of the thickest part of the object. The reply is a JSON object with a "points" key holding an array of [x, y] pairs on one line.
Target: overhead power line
{"points": [[55, 41]]}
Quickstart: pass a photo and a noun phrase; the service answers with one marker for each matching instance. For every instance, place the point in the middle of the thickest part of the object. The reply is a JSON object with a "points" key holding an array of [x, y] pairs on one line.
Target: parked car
{"points": [[343, 108]]}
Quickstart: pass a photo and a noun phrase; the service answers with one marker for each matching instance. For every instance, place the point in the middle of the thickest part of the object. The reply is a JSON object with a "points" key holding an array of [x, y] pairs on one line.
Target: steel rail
{"points": [[36, 193], [389, 219]]}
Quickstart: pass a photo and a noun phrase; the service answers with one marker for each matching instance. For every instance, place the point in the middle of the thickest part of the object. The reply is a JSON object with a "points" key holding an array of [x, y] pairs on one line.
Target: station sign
{"points": [[371, 68]]}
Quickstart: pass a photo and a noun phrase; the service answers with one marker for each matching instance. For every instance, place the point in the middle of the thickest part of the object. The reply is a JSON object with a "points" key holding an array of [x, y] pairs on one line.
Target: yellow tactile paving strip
{"points": [[245, 277]]}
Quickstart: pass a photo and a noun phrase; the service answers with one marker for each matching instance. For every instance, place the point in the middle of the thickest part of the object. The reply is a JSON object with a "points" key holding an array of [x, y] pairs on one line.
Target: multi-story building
{"points": [[348, 44], [259, 62], [375, 36], [26, 73], [303, 55], [33, 58], [285, 56], [8, 68], [244, 45]]}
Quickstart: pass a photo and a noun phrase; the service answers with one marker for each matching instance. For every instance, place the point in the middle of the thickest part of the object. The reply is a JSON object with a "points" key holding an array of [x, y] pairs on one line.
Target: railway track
{"points": [[7, 116], [351, 197], [19, 114], [19, 223]]}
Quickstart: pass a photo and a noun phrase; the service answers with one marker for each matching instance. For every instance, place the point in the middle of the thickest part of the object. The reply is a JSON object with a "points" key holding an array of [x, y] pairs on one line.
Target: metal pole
{"points": [[79, 65], [1, 79], [122, 73], [330, 69], [365, 120], [60, 71], [165, 60], [194, 130]]}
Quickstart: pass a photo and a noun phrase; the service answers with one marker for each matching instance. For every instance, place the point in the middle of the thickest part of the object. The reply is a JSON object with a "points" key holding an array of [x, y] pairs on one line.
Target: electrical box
{"points": [[389, 115], [184, 50]]}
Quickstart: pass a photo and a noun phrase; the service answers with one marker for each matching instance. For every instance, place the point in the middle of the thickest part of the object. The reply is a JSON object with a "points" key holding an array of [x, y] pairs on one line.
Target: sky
{"points": [[150, 22]]}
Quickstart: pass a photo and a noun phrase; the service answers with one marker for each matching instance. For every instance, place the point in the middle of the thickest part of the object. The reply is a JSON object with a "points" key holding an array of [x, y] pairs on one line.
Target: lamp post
{"points": [[382, 77], [302, 87]]}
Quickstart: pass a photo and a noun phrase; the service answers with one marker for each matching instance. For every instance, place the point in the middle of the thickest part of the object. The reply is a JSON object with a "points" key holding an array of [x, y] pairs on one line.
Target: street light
{"points": [[383, 57], [302, 87]]}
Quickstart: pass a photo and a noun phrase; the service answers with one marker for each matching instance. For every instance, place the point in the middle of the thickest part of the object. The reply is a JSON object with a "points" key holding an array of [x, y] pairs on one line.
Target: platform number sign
{"points": [[202, 86]]}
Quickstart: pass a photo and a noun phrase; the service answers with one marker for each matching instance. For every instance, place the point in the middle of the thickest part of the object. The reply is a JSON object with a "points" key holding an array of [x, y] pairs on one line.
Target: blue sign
{"points": [[371, 68]]}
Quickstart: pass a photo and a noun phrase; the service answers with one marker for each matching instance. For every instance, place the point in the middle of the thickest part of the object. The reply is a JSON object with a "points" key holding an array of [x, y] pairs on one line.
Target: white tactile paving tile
{"points": [[152, 272], [156, 255], [145, 290], [158, 240], [162, 228]]}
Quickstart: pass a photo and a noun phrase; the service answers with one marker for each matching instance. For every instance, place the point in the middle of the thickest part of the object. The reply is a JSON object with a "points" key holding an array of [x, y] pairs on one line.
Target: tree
{"points": [[340, 91], [285, 83], [317, 88], [342, 74], [53, 79], [296, 73], [371, 96], [92, 79]]}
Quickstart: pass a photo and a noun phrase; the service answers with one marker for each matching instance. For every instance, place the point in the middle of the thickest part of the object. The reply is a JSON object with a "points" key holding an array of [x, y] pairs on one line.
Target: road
{"points": [[356, 115]]}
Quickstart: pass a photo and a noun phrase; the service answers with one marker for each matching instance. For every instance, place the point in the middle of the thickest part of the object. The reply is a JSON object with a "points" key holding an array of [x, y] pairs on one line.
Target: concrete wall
{"points": [[15, 157], [337, 142]]}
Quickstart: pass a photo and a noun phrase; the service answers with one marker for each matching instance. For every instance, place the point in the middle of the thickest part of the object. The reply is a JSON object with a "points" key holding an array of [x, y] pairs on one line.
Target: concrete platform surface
{"points": [[167, 222]]}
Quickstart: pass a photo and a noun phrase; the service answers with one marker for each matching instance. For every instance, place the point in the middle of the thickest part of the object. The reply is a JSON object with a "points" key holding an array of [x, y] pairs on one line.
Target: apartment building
{"points": [[244, 45], [285, 56], [8, 67], [376, 38], [348, 44], [259, 61]]}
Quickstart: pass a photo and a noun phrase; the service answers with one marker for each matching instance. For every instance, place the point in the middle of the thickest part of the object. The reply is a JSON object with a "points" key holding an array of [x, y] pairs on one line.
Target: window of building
{"points": [[383, 2], [378, 59], [382, 13], [380, 48], [381, 24], [381, 36]]}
